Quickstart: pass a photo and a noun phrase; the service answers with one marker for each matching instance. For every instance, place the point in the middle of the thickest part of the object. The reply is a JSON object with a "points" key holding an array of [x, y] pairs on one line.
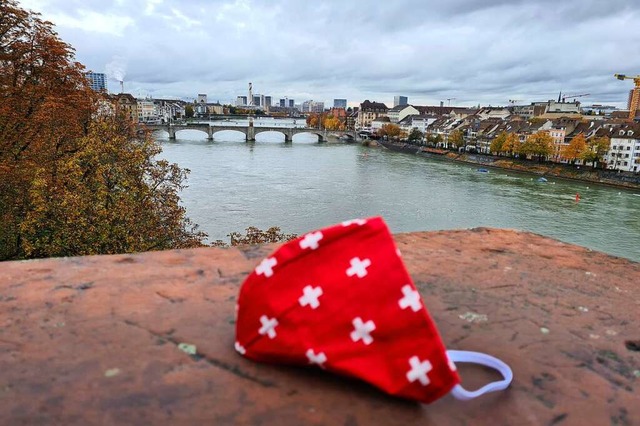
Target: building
{"points": [[631, 100], [97, 81], [312, 106], [624, 151], [597, 109], [127, 104], [241, 101], [169, 109], [202, 98], [377, 123], [317, 107], [419, 122], [215, 108], [400, 100], [283, 103], [368, 112], [398, 113], [340, 103], [146, 111], [256, 100], [267, 101], [352, 118], [292, 103]]}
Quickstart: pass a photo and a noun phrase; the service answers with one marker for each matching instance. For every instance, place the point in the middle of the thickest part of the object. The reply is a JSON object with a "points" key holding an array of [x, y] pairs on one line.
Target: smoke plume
{"points": [[117, 68]]}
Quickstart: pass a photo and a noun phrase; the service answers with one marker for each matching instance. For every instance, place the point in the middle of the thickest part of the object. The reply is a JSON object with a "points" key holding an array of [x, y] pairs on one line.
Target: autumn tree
{"points": [[313, 120], [595, 150], [188, 111], [434, 139], [74, 181], [456, 138], [575, 149], [511, 145], [539, 144], [415, 135], [389, 130], [498, 142], [332, 123]]}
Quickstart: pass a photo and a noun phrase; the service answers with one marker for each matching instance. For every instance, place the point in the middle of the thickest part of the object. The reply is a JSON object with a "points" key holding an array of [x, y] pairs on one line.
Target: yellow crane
{"points": [[635, 97]]}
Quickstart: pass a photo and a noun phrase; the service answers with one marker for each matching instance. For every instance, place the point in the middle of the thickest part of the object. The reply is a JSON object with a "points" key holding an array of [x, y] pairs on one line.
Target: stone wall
{"points": [[148, 339]]}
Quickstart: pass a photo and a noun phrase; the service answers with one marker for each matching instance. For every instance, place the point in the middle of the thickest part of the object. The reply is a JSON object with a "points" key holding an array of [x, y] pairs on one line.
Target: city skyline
{"points": [[483, 54]]}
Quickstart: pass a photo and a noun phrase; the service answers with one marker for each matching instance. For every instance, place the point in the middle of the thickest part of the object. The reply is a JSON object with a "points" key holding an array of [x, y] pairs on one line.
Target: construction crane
{"points": [[449, 101], [635, 97], [574, 96]]}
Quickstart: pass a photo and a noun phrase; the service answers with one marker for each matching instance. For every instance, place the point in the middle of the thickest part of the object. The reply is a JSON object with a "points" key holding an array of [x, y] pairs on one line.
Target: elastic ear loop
{"points": [[461, 393]]}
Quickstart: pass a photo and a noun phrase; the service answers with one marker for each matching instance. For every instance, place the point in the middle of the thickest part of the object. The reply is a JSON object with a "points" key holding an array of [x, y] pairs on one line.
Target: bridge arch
{"points": [[240, 130], [163, 131], [180, 129], [282, 132], [309, 132]]}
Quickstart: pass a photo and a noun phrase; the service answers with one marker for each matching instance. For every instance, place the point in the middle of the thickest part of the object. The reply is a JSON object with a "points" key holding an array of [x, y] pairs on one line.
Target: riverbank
{"points": [[563, 171]]}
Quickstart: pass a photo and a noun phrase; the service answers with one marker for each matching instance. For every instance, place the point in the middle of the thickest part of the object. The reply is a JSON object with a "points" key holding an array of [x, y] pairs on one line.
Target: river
{"points": [[305, 185]]}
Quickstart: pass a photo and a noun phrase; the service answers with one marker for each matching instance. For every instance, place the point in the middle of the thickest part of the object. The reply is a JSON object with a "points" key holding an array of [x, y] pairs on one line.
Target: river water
{"points": [[305, 185]]}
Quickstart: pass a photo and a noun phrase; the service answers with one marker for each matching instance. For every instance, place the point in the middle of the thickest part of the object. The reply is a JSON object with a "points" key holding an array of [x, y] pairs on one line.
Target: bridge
{"points": [[249, 132]]}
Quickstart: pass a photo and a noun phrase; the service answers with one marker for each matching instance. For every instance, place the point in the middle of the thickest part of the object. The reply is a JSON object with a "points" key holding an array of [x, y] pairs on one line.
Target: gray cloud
{"points": [[477, 52]]}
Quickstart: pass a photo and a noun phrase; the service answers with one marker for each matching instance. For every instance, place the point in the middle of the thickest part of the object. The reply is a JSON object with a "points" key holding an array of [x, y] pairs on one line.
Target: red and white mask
{"points": [[341, 299]]}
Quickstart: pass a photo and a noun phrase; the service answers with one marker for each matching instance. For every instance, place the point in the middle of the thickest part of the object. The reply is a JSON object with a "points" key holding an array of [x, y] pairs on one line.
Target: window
{"points": [[628, 148], [625, 163], [630, 133], [626, 156], [621, 132]]}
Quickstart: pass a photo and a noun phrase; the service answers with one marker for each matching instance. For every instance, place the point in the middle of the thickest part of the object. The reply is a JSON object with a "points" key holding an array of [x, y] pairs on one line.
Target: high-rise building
{"points": [[317, 106], [267, 101], [283, 103], [306, 106], [312, 106], [256, 100], [340, 103], [637, 99], [400, 100], [97, 81], [292, 103], [241, 101]]}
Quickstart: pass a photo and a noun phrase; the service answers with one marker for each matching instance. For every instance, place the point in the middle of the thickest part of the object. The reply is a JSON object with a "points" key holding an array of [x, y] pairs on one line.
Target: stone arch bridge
{"points": [[249, 132]]}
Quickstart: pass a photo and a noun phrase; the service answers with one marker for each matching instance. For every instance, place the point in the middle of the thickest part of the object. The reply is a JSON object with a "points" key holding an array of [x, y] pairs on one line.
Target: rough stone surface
{"points": [[107, 339]]}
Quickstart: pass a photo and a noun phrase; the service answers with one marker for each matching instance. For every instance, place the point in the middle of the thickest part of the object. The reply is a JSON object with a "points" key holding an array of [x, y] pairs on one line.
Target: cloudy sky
{"points": [[469, 51]]}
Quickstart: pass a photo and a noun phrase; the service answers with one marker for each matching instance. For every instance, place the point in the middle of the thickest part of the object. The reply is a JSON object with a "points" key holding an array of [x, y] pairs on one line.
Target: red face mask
{"points": [[341, 299]]}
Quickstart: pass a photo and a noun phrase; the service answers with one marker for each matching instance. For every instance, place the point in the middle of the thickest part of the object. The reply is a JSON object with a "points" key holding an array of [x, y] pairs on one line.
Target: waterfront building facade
{"points": [[624, 150], [368, 112], [400, 112]]}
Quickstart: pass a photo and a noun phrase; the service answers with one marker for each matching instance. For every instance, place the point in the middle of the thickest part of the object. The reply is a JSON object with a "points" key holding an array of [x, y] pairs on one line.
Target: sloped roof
{"points": [[368, 105]]}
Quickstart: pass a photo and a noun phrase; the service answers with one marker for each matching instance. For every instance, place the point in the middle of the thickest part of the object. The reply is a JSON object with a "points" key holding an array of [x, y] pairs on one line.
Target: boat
{"points": [[541, 179], [483, 170]]}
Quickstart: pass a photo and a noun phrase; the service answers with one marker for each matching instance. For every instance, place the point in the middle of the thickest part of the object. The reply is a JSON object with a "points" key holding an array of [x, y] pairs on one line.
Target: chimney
{"points": [[121, 86], [441, 104]]}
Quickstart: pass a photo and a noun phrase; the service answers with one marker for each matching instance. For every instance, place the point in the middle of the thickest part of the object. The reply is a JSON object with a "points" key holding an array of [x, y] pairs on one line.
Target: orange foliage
{"points": [[72, 181], [575, 148]]}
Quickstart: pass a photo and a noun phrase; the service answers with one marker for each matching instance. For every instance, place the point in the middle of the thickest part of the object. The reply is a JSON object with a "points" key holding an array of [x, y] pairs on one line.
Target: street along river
{"points": [[305, 185]]}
